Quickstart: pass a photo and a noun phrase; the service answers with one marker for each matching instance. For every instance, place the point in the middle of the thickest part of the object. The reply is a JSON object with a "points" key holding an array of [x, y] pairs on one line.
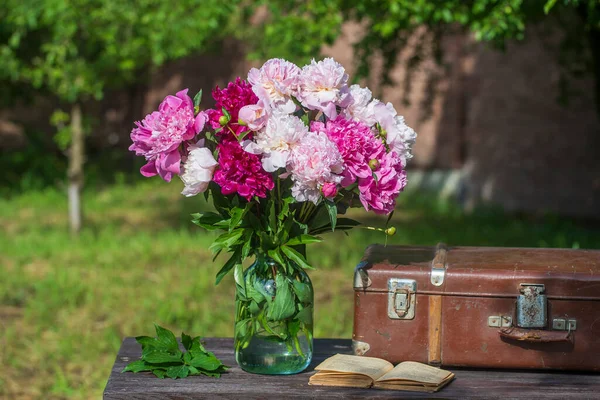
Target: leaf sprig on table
{"points": [[161, 356]]}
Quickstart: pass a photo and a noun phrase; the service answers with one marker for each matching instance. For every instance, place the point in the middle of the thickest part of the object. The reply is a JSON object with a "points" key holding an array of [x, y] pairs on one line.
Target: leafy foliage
{"points": [[76, 49], [298, 29], [162, 357]]}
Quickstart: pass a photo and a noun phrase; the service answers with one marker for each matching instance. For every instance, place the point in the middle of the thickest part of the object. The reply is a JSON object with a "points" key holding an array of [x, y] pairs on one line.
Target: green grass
{"points": [[66, 303]]}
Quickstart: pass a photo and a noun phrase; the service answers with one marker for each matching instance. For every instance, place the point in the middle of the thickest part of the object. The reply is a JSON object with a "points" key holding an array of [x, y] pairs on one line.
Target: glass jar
{"points": [[274, 319]]}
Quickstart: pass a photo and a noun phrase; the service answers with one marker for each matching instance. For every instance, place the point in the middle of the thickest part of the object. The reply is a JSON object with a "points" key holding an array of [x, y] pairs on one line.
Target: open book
{"points": [[364, 372]]}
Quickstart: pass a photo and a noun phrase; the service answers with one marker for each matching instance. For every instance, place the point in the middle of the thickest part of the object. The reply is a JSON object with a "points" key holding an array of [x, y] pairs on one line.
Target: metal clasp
{"points": [[531, 306], [401, 298]]}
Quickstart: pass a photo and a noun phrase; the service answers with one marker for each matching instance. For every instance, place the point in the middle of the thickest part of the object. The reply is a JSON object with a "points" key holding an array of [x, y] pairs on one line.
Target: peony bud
{"points": [[223, 120], [391, 231], [374, 164], [329, 190], [254, 116]]}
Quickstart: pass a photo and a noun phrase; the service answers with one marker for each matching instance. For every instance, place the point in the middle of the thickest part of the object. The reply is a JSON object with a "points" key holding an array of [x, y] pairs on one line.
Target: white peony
{"points": [[276, 140], [323, 85], [362, 109], [198, 169]]}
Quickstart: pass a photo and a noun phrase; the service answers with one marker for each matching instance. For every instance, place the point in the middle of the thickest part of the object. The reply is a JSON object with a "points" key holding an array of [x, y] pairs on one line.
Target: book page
{"points": [[416, 372], [369, 366]]}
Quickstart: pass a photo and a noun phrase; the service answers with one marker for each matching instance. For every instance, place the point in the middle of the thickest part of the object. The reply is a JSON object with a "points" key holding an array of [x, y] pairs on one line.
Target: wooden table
{"points": [[237, 384]]}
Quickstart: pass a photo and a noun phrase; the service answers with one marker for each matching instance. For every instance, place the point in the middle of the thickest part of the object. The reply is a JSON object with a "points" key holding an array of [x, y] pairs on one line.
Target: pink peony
{"points": [[275, 83], [357, 145], [241, 172], [236, 95], [315, 163], [254, 116], [159, 135], [399, 136], [380, 194], [323, 85]]}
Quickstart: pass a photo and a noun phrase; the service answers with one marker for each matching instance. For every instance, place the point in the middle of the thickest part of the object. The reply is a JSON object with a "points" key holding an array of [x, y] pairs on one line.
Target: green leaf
{"points": [[247, 247], [252, 293], [303, 239], [159, 373], [260, 289], [166, 339], [232, 262], [389, 218], [186, 340], [283, 306], [160, 357], [212, 374], [253, 307], [320, 219], [548, 6], [266, 241], [226, 113], [272, 217], [296, 257], [198, 98], [180, 371], [303, 292], [187, 358], [238, 275], [332, 210], [342, 224], [226, 240], [306, 315], [237, 214], [207, 362], [208, 220], [137, 366], [197, 345], [147, 342], [275, 254]]}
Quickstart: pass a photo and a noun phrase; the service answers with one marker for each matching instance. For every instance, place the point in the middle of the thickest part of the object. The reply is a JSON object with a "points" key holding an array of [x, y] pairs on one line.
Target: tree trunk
{"points": [[75, 173]]}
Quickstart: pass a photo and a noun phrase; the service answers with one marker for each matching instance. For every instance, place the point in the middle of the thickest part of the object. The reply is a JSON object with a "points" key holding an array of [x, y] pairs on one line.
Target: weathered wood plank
{"points": [[237, 384]]}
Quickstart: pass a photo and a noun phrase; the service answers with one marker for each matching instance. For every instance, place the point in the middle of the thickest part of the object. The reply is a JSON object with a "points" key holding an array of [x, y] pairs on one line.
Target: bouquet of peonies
{"points": [[281, 155]]}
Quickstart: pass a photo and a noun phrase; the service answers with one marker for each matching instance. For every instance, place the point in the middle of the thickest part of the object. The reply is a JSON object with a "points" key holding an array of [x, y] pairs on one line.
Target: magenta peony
{"points": [[379, 194], [236, 95], [357, 145], [159, 135], [241, 172]]}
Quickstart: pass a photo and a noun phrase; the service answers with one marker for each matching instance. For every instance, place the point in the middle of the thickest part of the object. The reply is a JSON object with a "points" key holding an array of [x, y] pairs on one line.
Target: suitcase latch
{"points": [[531, 306], [401, 298]]}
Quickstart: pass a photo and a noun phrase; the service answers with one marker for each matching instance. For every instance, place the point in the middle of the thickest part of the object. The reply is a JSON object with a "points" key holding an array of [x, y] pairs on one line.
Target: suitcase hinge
{"points": [[401, 298], [438, 265]]}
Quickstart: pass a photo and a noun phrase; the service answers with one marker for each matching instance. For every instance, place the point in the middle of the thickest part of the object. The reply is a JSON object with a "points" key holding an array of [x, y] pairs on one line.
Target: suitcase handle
{"points": [[536, 335]]}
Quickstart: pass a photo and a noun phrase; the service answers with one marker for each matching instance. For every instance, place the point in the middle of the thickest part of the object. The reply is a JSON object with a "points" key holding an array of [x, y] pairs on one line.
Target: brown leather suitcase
{"points": [[479, 306]]}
